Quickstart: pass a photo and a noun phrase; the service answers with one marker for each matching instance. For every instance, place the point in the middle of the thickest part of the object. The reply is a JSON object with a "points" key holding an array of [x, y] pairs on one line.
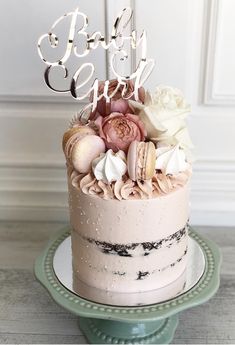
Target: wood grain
{"points": [[29, 315]]}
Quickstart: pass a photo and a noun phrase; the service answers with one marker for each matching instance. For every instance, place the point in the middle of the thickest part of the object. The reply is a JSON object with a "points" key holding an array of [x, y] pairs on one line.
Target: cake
{"points": [[128, 180], [128, 160]]}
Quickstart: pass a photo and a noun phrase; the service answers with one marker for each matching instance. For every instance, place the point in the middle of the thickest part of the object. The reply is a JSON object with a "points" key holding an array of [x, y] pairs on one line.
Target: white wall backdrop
{"points": [[193, 45]]}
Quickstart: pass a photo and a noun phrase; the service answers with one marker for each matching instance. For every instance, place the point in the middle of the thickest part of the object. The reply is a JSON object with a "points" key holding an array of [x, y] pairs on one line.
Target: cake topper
{"points": [[117, 43]]}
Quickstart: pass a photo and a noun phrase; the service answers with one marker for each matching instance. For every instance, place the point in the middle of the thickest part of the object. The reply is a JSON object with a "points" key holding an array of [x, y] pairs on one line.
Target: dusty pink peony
{"points": [[119, 130]]}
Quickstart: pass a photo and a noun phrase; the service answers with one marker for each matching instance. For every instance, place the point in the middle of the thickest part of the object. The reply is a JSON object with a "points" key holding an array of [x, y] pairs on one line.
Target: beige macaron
{"points": [[141, 160], [72, 136], [85, 151]]}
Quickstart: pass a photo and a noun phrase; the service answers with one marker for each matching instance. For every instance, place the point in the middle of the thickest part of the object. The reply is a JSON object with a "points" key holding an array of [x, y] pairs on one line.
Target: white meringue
{"points": [[110, 166], [171, 160]]}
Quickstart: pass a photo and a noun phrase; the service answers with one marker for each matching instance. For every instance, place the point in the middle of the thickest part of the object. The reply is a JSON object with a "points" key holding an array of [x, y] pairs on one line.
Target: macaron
{"points": [[141, 160], [85, 151], [73, 135]]}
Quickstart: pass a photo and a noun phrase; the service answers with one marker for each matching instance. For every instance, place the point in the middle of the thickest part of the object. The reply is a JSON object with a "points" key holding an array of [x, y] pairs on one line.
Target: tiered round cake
{"points": [[128, 179]]}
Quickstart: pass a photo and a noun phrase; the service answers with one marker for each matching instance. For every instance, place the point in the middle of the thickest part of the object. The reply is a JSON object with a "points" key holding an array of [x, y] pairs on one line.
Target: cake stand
{"points": [[140, 323]]}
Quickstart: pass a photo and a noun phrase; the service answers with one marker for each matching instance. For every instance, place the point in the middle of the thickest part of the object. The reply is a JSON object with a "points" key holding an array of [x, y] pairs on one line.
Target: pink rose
{"points": [[117, 103], [120, 106], [105, 109], [119, 130], [129, 89]]}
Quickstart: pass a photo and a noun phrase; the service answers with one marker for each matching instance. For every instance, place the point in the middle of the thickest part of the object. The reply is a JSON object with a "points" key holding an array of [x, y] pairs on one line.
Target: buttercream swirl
{"points": [[127, 189], [164, 184], [91, 186]]}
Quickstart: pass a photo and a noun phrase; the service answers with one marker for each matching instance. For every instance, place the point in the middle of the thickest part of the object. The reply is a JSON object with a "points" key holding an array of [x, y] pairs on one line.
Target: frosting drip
{"points": [[126, 189]]}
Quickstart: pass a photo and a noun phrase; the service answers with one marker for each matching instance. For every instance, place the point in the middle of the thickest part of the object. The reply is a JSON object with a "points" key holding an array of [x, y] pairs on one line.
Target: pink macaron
{"points": [[141, 160], [85, 151], [131, 160]]}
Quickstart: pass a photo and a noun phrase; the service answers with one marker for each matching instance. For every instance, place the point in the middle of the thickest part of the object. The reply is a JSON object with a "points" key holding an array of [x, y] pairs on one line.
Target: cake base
{"points": [[155, 323], [113, 332], [129, 246], [62, 264]]}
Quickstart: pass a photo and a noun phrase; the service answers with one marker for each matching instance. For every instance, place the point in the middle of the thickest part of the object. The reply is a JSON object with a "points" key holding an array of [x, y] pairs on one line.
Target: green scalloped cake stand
{"points": [[151, 324]]}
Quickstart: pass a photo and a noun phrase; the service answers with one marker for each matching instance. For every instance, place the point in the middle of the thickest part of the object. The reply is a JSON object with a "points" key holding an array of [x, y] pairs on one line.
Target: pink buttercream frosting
{"points": [[127, 189], [164, 184]]}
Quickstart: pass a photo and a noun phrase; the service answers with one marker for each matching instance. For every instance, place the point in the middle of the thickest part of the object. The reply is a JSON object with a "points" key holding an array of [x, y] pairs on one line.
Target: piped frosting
{"points": [[127, 189]]}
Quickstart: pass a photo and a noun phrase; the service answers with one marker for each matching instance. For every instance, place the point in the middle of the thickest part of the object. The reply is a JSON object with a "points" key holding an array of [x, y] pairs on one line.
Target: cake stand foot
{"points": [[99, 331]]}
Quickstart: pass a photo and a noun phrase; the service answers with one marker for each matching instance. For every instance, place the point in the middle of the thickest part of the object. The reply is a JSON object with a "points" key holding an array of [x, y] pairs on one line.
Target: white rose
{"points": [[169, 98], [163, 114]]}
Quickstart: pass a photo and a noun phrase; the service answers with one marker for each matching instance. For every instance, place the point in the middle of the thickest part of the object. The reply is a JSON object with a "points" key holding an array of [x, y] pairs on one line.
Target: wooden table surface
{"points": [[29, 315]]}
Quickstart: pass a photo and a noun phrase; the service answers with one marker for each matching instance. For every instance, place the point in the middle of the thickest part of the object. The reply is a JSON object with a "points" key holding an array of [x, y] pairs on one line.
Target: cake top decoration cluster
{"points": [[126, 143]]}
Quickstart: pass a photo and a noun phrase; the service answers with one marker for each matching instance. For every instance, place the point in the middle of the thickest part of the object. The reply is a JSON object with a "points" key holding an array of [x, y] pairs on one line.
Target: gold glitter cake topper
{"points": [[116, 42]]}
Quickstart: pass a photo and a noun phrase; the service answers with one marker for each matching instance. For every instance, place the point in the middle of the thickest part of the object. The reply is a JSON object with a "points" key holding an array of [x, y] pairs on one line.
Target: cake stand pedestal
{"points": [[152, 324]]}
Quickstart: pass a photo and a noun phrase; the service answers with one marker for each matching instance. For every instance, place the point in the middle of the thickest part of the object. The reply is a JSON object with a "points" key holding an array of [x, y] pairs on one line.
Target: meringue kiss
{"points": [[110, 166], [171, 160]]}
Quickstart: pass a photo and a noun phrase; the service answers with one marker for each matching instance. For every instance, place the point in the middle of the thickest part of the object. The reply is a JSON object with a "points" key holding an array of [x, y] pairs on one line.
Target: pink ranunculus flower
{"points": [[104, 109], [117, 103], [119, 93], [119, 130], [120, 106]]}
